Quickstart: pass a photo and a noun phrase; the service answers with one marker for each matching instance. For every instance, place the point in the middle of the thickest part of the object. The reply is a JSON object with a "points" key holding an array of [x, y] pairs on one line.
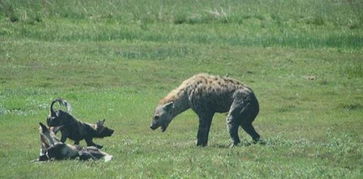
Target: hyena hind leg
{"points": [[242, 113], [248, 127], [234, 120], [232, 126], [248, 115]]}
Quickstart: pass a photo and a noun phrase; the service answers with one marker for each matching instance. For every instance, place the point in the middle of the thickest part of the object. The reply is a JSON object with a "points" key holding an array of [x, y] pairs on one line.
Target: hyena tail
{"points": [[61, 102]]}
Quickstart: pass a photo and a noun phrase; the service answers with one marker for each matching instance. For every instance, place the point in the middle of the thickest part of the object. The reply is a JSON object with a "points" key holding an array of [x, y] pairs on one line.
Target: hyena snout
{"points": [[158, 123], [154, 125]]}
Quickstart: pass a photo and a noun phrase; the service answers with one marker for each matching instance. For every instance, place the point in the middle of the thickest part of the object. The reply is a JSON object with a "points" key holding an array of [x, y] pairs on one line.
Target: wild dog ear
{"points": [[100, 123], [44, 142], [43, 127], [169, 106]]}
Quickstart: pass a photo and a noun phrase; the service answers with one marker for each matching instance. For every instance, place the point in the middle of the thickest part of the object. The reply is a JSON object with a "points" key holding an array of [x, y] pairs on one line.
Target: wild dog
{"points": [[75, 129], [53, 149], [206, 95]]}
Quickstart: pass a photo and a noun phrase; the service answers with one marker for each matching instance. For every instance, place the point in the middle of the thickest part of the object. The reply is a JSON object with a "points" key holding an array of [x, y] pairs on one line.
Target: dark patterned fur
{"points": [[53, 149], [75, 129]]}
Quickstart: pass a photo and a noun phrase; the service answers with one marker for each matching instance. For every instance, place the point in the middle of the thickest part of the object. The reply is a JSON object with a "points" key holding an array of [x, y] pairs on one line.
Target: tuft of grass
{"points": [[353, 70]]}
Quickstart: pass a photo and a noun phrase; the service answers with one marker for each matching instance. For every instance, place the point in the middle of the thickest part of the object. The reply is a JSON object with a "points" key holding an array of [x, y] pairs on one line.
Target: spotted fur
{"points": [[206, 95]]}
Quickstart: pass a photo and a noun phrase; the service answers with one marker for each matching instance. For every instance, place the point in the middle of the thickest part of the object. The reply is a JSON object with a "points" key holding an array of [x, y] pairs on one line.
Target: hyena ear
{"points": [[169, 106]]}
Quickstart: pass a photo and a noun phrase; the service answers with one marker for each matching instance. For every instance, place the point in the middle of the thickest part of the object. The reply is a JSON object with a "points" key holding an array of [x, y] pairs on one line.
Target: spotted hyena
{"points": [[206, 95]]}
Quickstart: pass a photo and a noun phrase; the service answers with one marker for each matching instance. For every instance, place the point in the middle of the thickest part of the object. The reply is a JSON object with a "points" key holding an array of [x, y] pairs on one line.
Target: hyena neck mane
{"points": [[179, 97]]}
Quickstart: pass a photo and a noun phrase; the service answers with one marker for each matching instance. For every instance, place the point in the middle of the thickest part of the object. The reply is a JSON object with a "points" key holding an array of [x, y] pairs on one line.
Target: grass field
{"points": [[115, 59]]}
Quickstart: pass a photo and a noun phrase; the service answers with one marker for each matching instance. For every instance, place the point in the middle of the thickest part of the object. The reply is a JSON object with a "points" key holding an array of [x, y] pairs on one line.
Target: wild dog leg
{"points": [[91, 143]]}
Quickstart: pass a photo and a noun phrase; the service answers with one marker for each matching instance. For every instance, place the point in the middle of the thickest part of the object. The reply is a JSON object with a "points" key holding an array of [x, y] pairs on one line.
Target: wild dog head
{"points": [[103, 131], [48, 140], [162, 117], [60, 117], [47, 136]]}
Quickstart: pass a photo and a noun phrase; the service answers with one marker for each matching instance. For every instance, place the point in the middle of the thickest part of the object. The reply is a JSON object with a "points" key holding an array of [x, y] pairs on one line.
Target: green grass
{"points": [[116, 59]]}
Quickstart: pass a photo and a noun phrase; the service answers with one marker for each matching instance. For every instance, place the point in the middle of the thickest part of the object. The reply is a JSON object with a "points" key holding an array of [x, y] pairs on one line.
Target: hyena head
{"points": [[103, 131], [162, 116]]}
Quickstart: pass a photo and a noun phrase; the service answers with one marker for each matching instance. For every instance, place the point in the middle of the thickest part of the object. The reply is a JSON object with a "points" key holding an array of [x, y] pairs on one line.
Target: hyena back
{"points": [[206, 95]]}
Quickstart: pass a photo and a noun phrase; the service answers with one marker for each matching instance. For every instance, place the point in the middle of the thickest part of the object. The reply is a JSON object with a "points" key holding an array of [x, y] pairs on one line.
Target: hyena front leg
{"points": [[205, 121]]}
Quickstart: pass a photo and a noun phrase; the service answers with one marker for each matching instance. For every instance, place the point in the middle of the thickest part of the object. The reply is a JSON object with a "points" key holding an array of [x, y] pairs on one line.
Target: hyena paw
{"points": [[232, 145], [199, 144]]}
